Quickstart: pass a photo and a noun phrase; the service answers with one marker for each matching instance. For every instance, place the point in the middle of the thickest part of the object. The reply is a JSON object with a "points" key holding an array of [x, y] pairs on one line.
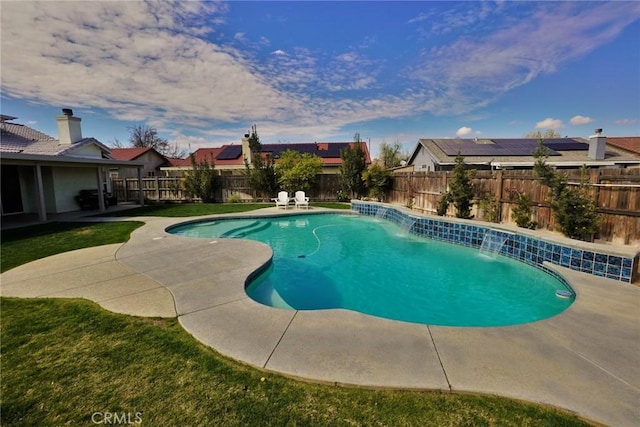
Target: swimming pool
{"points": [[374, 266]]}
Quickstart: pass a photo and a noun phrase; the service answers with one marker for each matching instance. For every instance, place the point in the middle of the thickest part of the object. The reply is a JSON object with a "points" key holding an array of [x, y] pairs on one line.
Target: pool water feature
{"points": [[372, 266], [492, 243]]}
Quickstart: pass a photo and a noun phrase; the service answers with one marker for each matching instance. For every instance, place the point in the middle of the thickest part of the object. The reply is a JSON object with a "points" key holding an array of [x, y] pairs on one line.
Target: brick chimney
{"points": [[246, 149], [69, 131], [597, 145]]}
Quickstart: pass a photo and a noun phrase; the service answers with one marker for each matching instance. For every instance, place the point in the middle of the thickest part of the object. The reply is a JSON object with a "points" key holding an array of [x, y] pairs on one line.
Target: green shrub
{"points": [[297, 171], [521, 214], [576, 213], [200, 181], [378, 181], [443, 204], [341, 196], [461, 189], [234, 198], [354, 164], [573, 209], [490, 205]]}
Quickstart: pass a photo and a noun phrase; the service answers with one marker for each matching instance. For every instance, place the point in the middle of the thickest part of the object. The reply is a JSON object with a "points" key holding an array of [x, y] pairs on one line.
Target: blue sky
{"points": [[202, 73]]}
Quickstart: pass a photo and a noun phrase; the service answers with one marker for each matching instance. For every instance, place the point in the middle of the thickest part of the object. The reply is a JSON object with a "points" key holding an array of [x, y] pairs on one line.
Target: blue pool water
{"points": [[373, 266]]}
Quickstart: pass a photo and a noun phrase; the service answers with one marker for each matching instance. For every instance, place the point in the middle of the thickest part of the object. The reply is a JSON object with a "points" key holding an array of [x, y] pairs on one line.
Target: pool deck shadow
{"points": [[585, 360]]}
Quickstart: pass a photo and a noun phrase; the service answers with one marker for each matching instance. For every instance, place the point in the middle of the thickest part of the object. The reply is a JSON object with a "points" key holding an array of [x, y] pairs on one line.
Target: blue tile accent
{"points": [[615, 260], [527, 249], [613, 270]]}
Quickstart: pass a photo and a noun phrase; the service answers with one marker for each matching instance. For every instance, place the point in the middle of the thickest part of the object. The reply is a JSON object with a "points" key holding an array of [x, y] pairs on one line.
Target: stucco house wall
{"points": [[88, 151], [67, 183], [43, 175], [423, 161]]}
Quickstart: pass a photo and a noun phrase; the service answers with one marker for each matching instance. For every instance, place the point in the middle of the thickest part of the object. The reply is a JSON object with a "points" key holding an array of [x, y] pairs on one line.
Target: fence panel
{"points": [[616, 192], [170, 189]]}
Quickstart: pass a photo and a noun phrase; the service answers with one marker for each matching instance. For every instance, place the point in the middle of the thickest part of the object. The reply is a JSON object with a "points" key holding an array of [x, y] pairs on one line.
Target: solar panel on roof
{"points": [[563, 144], [500, 147], [230, 152], [567, 146], [333, 150]]}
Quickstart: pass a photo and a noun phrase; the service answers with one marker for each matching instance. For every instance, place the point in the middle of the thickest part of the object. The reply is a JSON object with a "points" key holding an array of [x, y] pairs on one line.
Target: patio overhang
{"points": [[37, 161]]}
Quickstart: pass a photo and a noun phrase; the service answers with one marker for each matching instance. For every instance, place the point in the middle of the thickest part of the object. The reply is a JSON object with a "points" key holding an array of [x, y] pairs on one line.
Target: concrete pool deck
{"points": [[585, 360]]}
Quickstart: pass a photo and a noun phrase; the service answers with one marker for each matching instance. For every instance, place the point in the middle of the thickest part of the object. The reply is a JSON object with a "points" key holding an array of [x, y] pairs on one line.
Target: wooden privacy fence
{"points": [[170, 189], [617, 192]]}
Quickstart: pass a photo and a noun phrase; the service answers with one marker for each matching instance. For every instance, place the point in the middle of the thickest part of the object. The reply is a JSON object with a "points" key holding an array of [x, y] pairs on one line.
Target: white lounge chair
{"points": [[282, 199], [301, 200]]}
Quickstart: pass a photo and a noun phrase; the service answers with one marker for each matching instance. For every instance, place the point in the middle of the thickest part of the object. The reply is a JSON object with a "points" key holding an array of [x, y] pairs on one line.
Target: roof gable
{"points": [[517, 151], [231, 154], [132, 153], [18, 138], [628, 143]]}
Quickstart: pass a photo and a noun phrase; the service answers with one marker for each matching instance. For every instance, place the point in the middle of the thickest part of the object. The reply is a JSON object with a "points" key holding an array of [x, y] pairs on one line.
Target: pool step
{"points": [[245, 230]]}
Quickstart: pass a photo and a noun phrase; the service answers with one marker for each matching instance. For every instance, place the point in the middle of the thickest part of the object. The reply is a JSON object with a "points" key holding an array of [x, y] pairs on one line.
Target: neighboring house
{"points": [[230, 159], [43, 175], [517, 153], [629, 144], [148, 156]]}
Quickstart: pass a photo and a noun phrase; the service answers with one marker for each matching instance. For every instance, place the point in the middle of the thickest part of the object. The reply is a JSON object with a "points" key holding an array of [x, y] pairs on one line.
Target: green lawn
{"points": [[26, 244], [64, 360], [197, 209]]}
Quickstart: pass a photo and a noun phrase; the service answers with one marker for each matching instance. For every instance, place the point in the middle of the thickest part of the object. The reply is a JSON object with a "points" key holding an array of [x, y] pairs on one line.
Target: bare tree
{"points": [[548, 134], [116, 143], [147, 136], [391, 154]]}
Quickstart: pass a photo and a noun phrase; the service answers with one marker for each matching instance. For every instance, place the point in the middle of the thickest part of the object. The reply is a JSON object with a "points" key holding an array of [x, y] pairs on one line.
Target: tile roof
{"points": [[490, 152], [173, 162], [629, 143], [230, 155], [17, 138], [128, 153]]}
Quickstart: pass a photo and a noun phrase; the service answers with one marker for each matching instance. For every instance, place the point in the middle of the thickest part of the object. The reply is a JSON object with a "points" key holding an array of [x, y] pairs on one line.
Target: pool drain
{"points": [[563, 293]]}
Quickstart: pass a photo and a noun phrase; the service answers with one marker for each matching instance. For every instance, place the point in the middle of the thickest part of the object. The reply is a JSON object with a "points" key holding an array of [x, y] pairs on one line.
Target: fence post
{"points": [[594, 178], [498, 177]]}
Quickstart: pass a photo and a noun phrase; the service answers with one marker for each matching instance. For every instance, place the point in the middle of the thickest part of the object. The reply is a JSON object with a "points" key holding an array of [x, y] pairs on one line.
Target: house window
{"points": [[151, 174]]}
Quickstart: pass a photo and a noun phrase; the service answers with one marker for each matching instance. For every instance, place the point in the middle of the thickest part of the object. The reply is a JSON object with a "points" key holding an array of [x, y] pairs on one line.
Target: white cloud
{"points": [[112, 56], [459, 16], [139, 62], [625, 122], [550, 123], [464, 131], [151, 62], [580, 120], [471, 72]]}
